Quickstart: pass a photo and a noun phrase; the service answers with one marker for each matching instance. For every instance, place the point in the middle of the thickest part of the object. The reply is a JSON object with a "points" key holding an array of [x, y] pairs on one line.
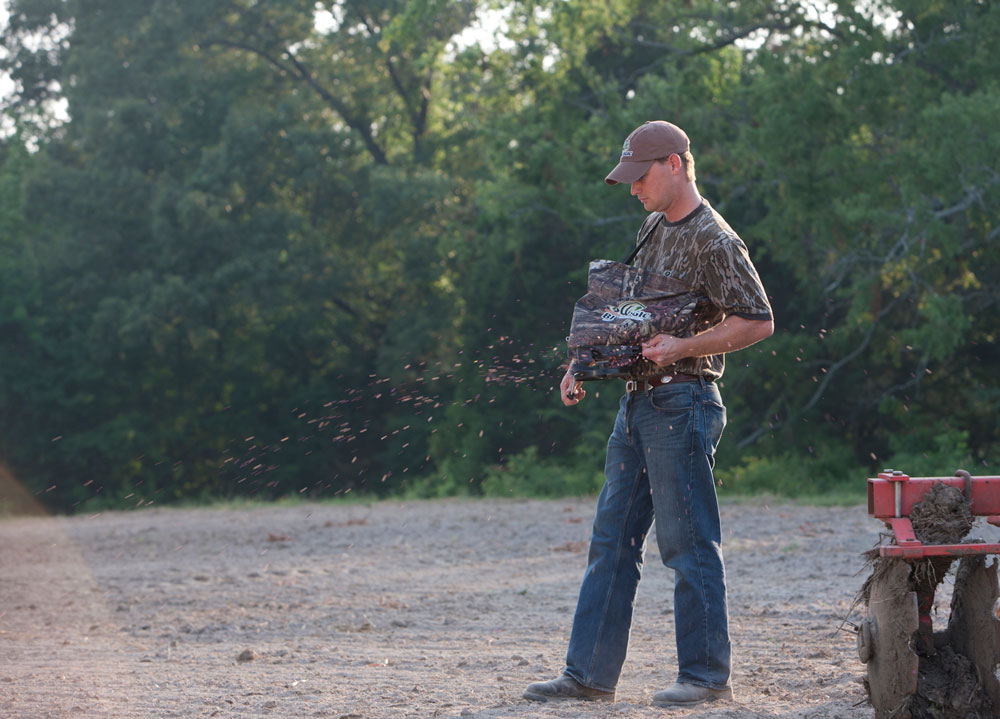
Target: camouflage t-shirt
{"points": [[703, 251]]}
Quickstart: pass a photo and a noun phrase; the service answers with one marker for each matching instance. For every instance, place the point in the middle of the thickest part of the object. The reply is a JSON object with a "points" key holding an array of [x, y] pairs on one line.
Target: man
{"points": [[662, 450]]}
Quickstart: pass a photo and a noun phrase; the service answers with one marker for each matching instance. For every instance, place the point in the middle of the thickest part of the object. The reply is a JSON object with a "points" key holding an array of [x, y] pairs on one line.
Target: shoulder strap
{"points": [[644, 240]]}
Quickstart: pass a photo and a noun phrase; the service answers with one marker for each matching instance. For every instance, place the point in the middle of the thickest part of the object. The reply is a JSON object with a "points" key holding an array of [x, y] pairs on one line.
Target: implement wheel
{"points": [[973, 627], [893, 623]]}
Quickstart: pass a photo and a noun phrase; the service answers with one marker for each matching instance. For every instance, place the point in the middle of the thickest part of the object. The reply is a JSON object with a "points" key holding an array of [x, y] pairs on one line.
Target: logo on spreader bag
{"points": [[626, 311]]}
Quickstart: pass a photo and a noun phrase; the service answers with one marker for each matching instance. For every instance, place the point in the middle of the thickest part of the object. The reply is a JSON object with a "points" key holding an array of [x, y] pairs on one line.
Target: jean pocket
{"points": [[670, 404]]}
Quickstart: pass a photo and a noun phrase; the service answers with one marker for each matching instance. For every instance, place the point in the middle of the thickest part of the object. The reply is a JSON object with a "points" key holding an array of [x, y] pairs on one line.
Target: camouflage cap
{"points": [[649, 142]]}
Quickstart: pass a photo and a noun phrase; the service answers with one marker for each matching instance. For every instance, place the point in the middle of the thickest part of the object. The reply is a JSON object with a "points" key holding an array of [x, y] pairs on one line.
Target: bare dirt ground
{"points": [[415, 609]]}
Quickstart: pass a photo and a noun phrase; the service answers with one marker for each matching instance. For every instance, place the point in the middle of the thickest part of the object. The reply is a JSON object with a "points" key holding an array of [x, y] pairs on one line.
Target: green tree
{"points": [[269, 255], [244, 208]]}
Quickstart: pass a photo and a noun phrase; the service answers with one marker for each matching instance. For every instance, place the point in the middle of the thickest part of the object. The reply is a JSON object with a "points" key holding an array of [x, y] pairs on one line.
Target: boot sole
{"points": [[710, 698], [544, 698]]}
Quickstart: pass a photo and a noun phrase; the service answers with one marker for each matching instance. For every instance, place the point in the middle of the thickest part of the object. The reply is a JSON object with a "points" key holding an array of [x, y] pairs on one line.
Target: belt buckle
{"points": [[631, 386]]}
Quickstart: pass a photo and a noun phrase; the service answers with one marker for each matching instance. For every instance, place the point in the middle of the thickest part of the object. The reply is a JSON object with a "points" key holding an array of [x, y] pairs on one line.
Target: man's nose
{"points": [[635, 188]]}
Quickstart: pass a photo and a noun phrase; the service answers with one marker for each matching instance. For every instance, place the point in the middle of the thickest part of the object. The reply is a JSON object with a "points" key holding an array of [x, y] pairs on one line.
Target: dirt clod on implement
{"points": [[943, 516], [948, 687]]}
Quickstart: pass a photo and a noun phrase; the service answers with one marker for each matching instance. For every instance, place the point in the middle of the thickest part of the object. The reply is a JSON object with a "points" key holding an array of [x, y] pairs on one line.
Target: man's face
{"points": [[657, 189]]}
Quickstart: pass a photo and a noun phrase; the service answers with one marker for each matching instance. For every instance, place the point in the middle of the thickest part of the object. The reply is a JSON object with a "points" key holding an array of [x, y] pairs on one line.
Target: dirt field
{"points": [[417, 609]]}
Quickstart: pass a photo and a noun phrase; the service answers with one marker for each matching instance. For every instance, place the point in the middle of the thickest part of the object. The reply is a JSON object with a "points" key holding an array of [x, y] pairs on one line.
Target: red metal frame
{"points": [[891, 497]]}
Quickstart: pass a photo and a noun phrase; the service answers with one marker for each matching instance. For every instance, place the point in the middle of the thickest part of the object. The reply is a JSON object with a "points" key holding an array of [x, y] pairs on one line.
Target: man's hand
{"points": [[570, 390], [663, 350]]}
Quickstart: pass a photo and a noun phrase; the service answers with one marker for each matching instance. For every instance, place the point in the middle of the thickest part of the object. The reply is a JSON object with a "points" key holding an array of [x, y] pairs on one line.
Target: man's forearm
{"points": [[732, 334]]}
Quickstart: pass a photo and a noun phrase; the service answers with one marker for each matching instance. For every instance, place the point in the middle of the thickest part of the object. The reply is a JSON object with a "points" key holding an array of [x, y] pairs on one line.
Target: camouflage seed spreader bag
{"points": [[623, 307]]}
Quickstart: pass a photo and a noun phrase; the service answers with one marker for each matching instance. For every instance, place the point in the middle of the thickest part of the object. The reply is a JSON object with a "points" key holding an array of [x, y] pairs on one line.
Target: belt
{"points": [[644, 385]]}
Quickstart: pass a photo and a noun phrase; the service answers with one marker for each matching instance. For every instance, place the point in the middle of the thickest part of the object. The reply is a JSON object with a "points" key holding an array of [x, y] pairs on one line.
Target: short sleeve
{"points": [[731, 281]]}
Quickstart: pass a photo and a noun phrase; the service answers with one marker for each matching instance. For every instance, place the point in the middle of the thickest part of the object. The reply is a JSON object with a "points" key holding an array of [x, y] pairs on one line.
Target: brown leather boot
{"points": [[682, 694], [565, 687]]}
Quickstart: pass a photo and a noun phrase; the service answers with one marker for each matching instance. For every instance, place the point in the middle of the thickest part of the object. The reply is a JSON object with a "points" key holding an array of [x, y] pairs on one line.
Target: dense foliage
{"points": [[285, 247]]}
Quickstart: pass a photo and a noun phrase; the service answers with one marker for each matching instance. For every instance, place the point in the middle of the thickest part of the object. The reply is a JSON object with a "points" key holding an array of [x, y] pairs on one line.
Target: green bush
{"points": [[826, 470], [932, 452], [436, 486], [527, 475]]}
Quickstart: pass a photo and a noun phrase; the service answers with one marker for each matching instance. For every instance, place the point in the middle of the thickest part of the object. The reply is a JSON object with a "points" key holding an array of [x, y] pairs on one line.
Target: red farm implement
{"points": [[929, 519]]}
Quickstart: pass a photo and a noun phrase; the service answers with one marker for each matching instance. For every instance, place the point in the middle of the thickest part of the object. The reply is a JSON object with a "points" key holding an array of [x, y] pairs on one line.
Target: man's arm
{"points": [[732, 334]]}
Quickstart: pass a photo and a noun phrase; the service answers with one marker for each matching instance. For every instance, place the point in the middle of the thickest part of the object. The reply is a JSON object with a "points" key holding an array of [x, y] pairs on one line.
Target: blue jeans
{"points": [[660, 459]]}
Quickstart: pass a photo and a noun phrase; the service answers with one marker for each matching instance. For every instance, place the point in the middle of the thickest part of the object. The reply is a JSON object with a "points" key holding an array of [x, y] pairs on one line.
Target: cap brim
{"points": [[628, 172]]}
